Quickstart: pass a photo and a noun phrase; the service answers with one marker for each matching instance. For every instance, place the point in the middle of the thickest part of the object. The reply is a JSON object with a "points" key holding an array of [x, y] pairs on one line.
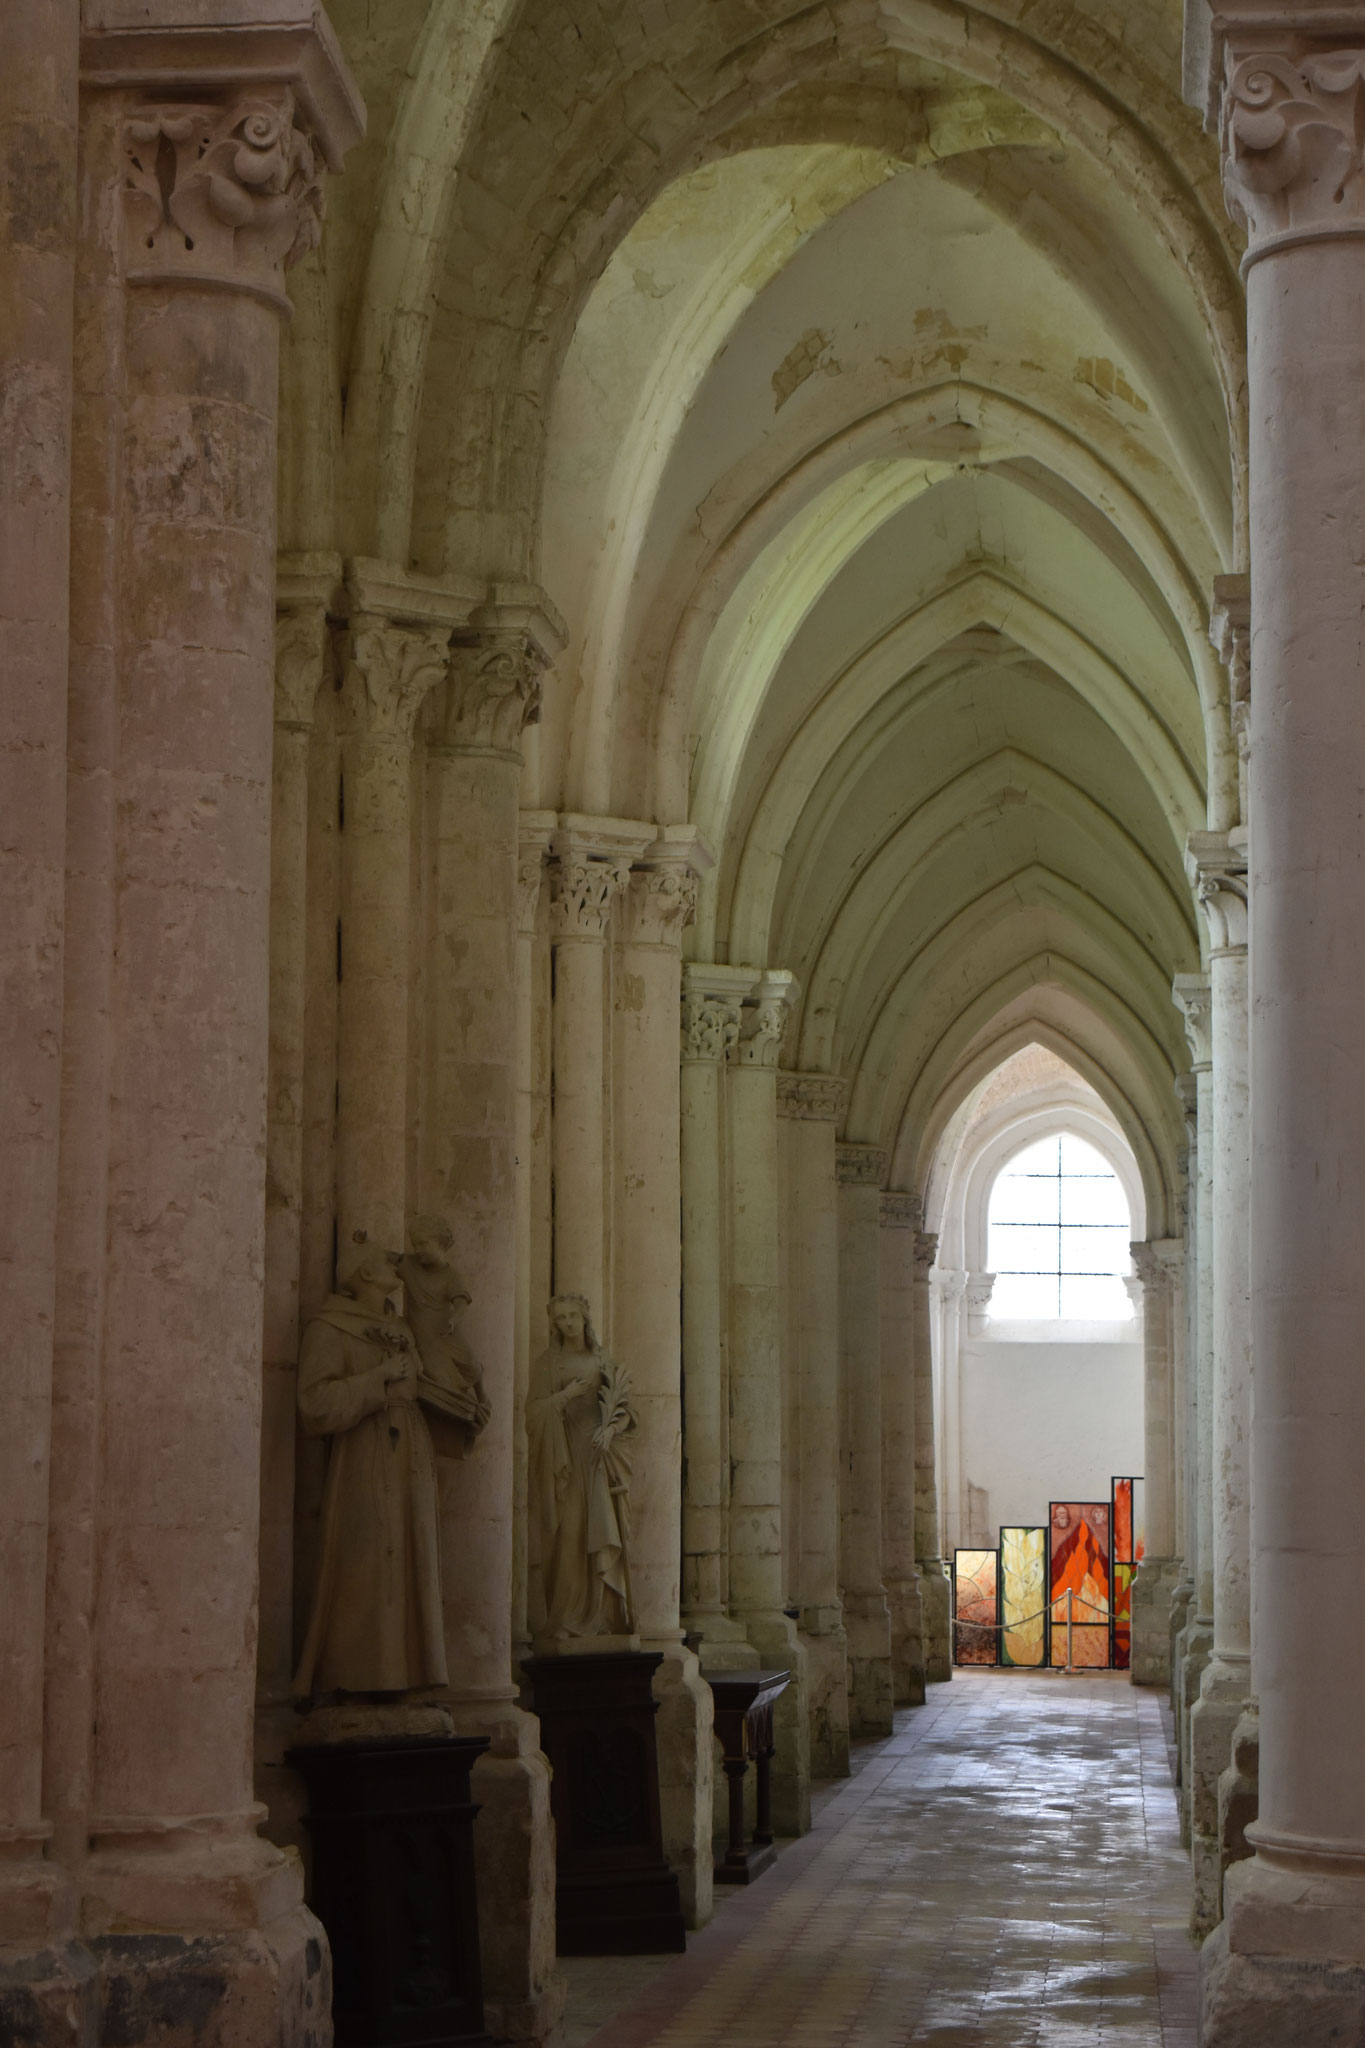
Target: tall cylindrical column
{"points": [[217, 193], [934, 1592], [860, 1170], [1187, 1421], [535, 832], [1193, 998], [1289, 1960], [809, 1107], [1218, 863], [757, 1594], [38, 103], [659, 901], [901, 1579], [1159, 1265]]}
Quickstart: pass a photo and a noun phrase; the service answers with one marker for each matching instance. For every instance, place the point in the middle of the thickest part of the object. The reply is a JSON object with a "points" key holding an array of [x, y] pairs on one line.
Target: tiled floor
{"points": [[1003, 1872]]}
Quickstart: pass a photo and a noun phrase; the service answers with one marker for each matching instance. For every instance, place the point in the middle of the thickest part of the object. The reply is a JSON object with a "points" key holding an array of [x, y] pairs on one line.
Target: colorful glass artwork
{"points": [[1123, 1617], [974, 1605], [1079, 1582], [1023, 1597], [1128, 1546]]}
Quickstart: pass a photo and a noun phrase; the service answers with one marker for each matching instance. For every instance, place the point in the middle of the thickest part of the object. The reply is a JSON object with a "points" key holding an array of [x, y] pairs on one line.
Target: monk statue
{"points": [[376, 1624], [579, 1416], [433, 1299]]}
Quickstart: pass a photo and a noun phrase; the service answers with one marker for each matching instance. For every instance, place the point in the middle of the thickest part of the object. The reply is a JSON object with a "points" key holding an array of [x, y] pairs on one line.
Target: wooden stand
{"points": [[744, 1723], [392, 1826], [615, 1895]]}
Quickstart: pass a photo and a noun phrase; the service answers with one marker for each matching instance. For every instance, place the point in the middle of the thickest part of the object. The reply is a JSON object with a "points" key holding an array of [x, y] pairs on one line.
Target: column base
{"points": [[1181, 1598], [49, 1998], [1150, 1662], [907, 1640], [1239, 1790], [867, 1625], [683, 1729], [826, 1648], [1213, 1717], [1288, 1961], [779, 1647], [514, 1853], [936, 1609], [253, 1988]]}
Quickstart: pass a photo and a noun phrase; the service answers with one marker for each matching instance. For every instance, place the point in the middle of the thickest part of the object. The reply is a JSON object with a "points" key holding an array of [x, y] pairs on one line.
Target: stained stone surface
{"points": [[1003, 1872]]}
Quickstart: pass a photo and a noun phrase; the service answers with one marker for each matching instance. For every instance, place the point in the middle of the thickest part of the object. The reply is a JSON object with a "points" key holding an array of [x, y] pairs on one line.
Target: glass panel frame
{"points": [[1081, 1563], [1031, 1572], [976, 1589]]}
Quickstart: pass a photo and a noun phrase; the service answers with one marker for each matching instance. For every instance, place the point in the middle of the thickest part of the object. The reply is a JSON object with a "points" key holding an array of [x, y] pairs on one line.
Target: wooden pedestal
{"points": [[744, 1725], [392, 1826], [615, 1895]]}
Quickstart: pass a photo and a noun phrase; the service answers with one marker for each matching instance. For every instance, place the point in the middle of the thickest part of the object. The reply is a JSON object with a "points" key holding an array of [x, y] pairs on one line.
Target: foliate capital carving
{"points": [[1217, 865], [811, 1098], [1230, 632], [926, 1251], [710, 1027], [760, 1032], [492, 692], [302, 660], [390, 671], [978, 1291], [1159, 1263], [860, 1166], [1292, 137], [1193, 998], [659, 902], [901, 1211], [224, 193], [582, 892], [1187, 1095], [530, 872]]}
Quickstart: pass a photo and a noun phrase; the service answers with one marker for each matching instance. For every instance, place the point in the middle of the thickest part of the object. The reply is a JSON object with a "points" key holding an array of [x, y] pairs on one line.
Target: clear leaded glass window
{"points": [[1058, 1234]]}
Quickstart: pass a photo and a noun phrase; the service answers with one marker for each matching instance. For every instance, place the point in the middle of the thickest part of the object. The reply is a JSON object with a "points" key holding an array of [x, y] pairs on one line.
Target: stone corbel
{"points": [[860, 1166], [1216, 863], [1193, 998], [764, 1019], [812, 1098]]}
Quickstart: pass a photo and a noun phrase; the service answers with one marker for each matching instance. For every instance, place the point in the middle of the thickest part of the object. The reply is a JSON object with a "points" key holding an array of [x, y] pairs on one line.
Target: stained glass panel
{"points": [[1123, 1521], [1078, 1565], [974, 1600], [1023, 1596], [1123, 1617]]}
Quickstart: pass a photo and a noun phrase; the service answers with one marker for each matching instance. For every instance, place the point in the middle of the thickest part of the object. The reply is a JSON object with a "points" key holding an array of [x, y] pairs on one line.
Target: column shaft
{"points": [[898, 1449], [934, 1592], [867, 1620]]}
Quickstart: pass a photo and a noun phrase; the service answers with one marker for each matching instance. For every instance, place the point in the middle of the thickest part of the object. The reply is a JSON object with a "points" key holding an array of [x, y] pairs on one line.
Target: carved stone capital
{"points": [[582, 892], [926, 1251], [811, 1098], [491, 694], [530, 872], [659, 902], [900, 1211], [764, 1019], [1217, 865], [302, 665], [978, 1291], [1291, 130], [1193, 998], [223, 193], [1158, 1263], [389, 671], [1187, 1095], [1230, 632], [710, 1027], [860, 1166]]}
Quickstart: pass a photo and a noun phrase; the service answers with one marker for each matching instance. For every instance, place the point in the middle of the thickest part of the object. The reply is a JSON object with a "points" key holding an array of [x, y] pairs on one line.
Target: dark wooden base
{"points": [[615, 1895], [743, 1867], [392, 1827]]}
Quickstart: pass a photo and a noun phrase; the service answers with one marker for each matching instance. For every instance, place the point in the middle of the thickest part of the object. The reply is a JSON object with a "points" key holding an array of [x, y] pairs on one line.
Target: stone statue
{"points": [[433, 1298], [376, 1624], [578, 1415]]}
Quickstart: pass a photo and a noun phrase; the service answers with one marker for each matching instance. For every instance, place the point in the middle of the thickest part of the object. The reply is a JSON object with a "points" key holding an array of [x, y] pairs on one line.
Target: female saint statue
{"points": [[376, 1624], [578, 1415]]}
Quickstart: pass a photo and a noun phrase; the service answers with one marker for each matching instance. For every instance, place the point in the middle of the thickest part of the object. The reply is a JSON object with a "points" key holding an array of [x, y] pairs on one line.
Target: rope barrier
{"points": [[1070, 1599]]}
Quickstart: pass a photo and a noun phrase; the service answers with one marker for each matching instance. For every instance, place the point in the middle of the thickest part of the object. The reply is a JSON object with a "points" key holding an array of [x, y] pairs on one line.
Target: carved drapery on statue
{"points": [[450, 1385], [579, 1413]]}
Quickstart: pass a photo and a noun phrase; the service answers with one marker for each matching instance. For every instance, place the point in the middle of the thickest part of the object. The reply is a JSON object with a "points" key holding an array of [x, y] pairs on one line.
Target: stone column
{"points": [[809, 1106], [711, 1001], [1187, 1420], [589, 869], [1192, 997], [1218, 865], [934, 1590], [659, 901], [535, 831], [898, 1219], [38, 116], [391, 665], [757, 1595], [860, 1171], [216, 189], [1159, 1266], [473, 737], [1288, 1963]]}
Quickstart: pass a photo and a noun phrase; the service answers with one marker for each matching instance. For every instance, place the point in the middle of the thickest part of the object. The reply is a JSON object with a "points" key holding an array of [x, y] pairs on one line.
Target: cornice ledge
{"points": [[228, 48], [382, 589], [860, 1166], [811, 1098]]}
